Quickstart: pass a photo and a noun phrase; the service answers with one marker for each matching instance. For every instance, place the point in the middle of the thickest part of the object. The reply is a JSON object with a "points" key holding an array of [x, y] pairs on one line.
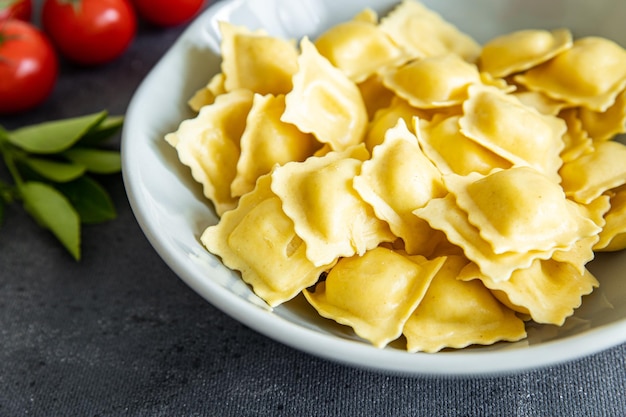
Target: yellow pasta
{"points": [[258, 240], [395, 181], [266, 67], [520, 210], [444, 80], [308, 189], [325, 102], [456, 314], [521, 50], [375, 293], [422, 32], [594, 173], [590, 74], [412, 184], [453, 152], [548, 291], [209, 145], [518, 133], [613, 235], [603, 126], [267, 141], [359, 48]]}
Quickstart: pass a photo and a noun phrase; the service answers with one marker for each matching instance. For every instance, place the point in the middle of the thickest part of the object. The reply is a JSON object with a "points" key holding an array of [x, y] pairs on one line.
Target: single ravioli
{"points": [[267, 141], [359, 48], [374, 293], [397, 180], [259, 240], [591, 174], [548, 291], [209, 145], [256, 61], [422, 32], [456, 314], [451, 151], [590, 74], [444, 214], [520, 210], [516, 132], [325, 102], [328, 214], [434, 81], [521, 50]]}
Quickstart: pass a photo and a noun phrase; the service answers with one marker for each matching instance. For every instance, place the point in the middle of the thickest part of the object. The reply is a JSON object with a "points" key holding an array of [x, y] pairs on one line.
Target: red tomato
{"points": [[16, 9], [89, 32], [168, 12], [28, 66]]}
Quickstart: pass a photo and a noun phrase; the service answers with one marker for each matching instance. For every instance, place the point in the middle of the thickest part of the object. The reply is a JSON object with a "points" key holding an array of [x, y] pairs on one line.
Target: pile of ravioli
{"points": [[410, 183]]}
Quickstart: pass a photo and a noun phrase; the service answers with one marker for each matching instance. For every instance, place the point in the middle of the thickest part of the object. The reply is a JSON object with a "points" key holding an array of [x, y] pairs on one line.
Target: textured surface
{"points": [[119, 334]]}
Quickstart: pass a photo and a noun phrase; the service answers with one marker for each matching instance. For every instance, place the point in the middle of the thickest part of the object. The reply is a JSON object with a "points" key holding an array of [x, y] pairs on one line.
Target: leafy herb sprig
{"points": [[52, 166]]}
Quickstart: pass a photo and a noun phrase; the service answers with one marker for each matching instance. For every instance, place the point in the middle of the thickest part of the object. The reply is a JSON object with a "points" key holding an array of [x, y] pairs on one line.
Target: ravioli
{"points": [[433, 82], [576, 139], [309, 189], [258, 240], [387, 117], [603, 126], [594, 173], [374, 293], [267, 141], [453, 152], [422, 32], [411, 184], [359, 48], [516, 132], [266, 67], [445, 215], [613, 235], [209, 93], [520, 210], [398, 179], [456, 314], [521, 50], [548, 291], [325, 102], [209, 145], [589, 74]]}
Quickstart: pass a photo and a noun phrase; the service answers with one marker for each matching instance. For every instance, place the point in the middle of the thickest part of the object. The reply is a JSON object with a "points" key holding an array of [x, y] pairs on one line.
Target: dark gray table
{"points": [[119, 334]]}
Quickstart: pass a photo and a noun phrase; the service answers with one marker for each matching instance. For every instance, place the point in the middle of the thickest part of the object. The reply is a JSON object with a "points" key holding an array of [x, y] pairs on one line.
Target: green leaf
{"points": [[52, 210], [55, 170], [90, 200], [55, 136], [98, 161], [4, 134], [109, 127]]}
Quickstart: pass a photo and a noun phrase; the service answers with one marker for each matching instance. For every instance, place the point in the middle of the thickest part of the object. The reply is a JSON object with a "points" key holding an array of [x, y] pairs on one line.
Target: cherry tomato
{"points": [[16, 9], [28, 66], [89, 32], [168, 12]]}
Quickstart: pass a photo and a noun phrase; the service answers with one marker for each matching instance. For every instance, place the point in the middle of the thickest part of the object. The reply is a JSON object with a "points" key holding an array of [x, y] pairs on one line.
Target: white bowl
{"points": [[172, 212]]}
